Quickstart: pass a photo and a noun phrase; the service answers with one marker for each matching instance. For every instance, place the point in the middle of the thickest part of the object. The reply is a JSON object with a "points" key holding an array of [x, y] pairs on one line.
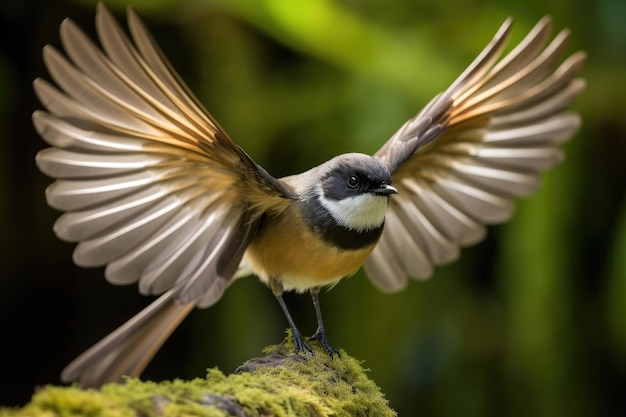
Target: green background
{"points": [[531, 322]]}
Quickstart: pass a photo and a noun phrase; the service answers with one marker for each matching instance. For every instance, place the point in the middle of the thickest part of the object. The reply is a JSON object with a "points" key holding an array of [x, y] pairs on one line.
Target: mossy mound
{"points": [[277, 384]]}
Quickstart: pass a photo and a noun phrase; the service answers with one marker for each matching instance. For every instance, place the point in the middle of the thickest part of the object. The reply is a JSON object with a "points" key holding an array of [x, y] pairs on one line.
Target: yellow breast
{"points": [[287, 249]]}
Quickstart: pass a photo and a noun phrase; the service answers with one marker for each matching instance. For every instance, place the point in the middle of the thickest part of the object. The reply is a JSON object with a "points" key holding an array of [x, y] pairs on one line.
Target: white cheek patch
{"points": [[362, 212]]}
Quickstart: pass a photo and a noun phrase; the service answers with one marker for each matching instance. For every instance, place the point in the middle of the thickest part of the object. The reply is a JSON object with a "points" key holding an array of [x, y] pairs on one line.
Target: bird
{"points": [[154, 190]]}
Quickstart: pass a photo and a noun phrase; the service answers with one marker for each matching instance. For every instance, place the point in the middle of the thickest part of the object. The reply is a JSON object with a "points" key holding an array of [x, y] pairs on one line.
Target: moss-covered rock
{"points": [[278, 384]]}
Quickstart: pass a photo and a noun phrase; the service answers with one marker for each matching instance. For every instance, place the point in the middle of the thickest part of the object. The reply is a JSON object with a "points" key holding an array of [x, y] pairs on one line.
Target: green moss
{"points": [[278, 384]]}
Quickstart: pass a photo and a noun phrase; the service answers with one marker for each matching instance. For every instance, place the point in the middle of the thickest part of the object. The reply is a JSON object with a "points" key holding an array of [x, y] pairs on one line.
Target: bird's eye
{"points": [[353, 181]]}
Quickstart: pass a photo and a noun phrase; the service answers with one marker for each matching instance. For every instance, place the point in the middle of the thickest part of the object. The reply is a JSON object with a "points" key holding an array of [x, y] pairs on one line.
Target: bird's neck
{"points": [[348, 225]]}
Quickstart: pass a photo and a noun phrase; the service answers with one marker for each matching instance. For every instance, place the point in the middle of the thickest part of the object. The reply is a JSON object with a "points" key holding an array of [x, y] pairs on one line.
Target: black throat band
{"points": [[324, 225]]}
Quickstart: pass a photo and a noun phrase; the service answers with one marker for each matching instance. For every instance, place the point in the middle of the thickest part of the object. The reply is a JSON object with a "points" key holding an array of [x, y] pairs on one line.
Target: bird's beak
{"points": [[385, 189]]}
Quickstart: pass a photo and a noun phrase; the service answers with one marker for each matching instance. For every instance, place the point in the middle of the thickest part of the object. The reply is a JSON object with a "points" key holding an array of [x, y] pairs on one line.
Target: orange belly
{"points": [[288, 250]]}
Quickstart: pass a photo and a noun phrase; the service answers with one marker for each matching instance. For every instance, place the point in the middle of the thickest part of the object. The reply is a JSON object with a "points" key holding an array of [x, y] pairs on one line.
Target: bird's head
{"points": [[355, 189]]}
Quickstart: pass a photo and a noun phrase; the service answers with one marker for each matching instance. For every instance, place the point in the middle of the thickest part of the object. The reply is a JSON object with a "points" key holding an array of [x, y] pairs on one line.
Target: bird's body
{"points": [[318, 240], [156, 191], [279, 252]]}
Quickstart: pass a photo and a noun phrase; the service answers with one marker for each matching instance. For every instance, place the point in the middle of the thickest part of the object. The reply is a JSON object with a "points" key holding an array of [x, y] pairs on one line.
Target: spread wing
{"points": [[459, 164], [150, 184]]}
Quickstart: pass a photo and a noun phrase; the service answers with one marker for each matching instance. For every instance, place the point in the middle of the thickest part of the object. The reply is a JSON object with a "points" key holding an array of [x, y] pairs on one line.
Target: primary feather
{"points": [[459, 164], [146, 176]]}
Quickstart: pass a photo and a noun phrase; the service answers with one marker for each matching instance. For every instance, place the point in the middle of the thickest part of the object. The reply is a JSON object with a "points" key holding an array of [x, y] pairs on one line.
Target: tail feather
{"points": [[128, 350]]}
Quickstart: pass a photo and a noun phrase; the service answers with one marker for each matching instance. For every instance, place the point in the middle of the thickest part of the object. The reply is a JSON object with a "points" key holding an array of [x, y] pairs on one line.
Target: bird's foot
{"points": [[300, 345], [320, 336]]}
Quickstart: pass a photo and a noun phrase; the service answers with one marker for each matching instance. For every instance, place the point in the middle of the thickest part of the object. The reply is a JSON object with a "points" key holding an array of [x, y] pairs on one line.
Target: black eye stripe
{"points": [[354, 176]]}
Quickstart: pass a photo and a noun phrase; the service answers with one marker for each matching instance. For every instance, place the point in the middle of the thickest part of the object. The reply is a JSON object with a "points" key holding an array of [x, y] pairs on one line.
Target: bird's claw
{"points": [[320, 336], [300, 345]]}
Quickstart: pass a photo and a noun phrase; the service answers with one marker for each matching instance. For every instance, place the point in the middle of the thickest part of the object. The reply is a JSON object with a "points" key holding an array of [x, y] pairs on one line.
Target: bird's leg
{"points": [[300, 345], [320, 333]]}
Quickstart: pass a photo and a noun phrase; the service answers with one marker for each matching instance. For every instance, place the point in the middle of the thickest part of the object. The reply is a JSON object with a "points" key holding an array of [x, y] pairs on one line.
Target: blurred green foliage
{"points": [[530, 322]]}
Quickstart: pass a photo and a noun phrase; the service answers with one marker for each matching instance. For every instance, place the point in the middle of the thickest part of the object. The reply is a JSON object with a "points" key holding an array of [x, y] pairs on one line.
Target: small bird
{"points": [[155, 190]]}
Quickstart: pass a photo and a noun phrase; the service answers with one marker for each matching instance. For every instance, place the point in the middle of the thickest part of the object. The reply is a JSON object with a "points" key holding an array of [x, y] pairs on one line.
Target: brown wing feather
{"points": [[150, 184], [460, 162]]}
